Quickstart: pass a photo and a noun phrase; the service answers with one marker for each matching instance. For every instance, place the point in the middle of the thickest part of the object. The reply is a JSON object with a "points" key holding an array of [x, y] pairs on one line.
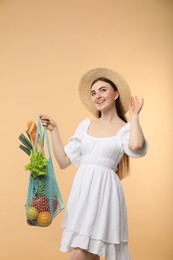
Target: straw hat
{"points": [[91, 75]]}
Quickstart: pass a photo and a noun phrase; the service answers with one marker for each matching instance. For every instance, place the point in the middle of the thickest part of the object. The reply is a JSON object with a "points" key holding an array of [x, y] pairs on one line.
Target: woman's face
{"points": [[103, 96]]}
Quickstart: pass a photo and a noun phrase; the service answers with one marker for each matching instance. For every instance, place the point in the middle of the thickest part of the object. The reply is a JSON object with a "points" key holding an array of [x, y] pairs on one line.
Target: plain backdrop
{"points": [[45, 47]]}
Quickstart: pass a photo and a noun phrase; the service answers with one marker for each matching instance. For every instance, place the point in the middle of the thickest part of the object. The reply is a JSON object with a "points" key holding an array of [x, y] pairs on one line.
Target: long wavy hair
{"points": [[123, 166]]}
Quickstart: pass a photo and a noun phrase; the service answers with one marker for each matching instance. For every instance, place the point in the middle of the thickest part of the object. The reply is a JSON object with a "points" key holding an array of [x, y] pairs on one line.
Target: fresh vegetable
{"points": [[41, 204], [41, 190], [26, 150], [55, 204], [32, 222], [44, 219], [37, 165], [28, 141], [32, 213], [26, 145], [29, 137]]}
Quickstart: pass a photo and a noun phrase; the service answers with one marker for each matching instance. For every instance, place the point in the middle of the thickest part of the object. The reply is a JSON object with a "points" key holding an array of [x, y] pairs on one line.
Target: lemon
{"points": [[32, 213]]}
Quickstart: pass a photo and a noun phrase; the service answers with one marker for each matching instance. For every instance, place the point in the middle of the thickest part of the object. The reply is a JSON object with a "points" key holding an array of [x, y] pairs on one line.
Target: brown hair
{"points": [[123, 166]]}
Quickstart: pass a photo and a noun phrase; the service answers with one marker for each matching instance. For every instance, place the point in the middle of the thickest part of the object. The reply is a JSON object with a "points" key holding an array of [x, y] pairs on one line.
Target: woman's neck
{"points": [[109, 116]]}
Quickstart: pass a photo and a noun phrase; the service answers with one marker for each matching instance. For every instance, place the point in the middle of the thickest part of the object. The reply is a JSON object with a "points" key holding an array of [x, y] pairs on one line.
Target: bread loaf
{"points": [[32, 128]]}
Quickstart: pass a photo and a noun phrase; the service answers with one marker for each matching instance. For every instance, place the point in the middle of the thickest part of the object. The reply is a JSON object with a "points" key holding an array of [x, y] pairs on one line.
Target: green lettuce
{"points": [[37, 165]]}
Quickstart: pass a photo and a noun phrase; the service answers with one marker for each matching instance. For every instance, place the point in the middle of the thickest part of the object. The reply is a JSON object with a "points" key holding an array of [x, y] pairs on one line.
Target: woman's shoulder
{"points": [[83, 125], [84, 122], [124, 131]]}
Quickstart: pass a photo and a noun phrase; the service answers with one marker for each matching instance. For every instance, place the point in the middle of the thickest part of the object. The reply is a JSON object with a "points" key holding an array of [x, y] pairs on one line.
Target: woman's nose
{"points": [[98, 94]]}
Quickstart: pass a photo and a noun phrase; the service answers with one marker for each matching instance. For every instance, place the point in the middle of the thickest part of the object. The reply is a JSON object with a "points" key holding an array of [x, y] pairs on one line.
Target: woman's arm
{"points": [[136, 139], [58, 147]]}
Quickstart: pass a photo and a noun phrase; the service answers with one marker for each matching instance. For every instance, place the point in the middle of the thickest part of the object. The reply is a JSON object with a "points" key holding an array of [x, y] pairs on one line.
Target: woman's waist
{"points": [[99, 161]]}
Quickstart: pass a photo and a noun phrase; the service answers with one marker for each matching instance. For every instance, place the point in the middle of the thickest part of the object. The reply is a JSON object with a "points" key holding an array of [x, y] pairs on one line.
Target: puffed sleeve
{"points": [[124, 139], [73, 147]]}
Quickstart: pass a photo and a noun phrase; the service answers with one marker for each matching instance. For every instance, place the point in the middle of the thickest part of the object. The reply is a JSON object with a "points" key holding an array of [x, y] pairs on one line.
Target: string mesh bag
{"points": [[44, 200]]}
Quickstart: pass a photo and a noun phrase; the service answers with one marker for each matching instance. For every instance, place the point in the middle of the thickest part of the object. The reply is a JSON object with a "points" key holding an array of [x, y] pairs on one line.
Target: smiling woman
{"points": [[108, 85], [95, 222], [44, 48], [103, 96]]}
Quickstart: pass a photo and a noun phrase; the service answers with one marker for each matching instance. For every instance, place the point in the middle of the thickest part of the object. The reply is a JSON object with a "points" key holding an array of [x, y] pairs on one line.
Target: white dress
{"points": [[95, 217]]}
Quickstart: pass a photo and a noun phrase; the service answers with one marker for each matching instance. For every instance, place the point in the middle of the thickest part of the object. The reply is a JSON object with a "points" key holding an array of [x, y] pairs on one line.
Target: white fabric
{"points": [[95, 217]]}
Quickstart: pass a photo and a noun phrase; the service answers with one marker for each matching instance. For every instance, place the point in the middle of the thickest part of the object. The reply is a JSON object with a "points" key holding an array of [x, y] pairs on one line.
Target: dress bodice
{"points": [[83, 146]]}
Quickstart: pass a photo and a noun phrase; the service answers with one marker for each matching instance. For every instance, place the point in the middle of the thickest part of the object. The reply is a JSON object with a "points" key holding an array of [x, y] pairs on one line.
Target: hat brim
{"points": [[121, 84]]}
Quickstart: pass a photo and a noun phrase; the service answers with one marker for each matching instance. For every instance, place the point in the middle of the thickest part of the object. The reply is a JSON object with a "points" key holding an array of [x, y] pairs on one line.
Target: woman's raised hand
{"points": [[135, 105], [48, 122]]}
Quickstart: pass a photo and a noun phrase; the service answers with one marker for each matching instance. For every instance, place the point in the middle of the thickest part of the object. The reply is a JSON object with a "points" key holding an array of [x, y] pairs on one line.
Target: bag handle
{"points": [[42, 134]]}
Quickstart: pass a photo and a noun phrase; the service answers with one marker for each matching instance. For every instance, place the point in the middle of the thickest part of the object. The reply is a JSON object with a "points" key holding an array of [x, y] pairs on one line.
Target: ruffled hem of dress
{"points": [[109, 251]]}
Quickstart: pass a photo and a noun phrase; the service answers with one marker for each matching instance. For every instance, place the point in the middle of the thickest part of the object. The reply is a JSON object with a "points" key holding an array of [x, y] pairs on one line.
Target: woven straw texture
{"points": [[91, 75]]}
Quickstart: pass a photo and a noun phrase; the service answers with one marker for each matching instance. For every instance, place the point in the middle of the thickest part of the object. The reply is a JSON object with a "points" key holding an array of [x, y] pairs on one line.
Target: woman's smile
{"points": [[100, 101]]}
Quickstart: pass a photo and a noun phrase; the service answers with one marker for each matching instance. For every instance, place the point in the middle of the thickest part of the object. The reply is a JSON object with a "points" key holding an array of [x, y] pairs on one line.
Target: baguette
{"points": [[32, 128]]}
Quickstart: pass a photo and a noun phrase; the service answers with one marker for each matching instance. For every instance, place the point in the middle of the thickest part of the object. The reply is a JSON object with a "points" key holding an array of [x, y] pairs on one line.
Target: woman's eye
{"points": [[93, 93], [103, 89]]}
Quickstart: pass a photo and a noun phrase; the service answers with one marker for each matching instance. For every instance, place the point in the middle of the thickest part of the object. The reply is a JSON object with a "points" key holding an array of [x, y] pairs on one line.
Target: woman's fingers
{"points": [[45, 120], [136, 104], [139, 102], [48, 122], [44, 117]]}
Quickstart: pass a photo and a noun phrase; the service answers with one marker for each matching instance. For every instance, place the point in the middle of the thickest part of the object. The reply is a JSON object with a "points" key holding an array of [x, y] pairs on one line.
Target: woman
{"points": [[95, 221]]}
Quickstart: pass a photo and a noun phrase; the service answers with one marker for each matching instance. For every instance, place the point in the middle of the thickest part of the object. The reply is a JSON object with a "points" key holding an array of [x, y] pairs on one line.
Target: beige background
{"points": [[45, 46]]}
